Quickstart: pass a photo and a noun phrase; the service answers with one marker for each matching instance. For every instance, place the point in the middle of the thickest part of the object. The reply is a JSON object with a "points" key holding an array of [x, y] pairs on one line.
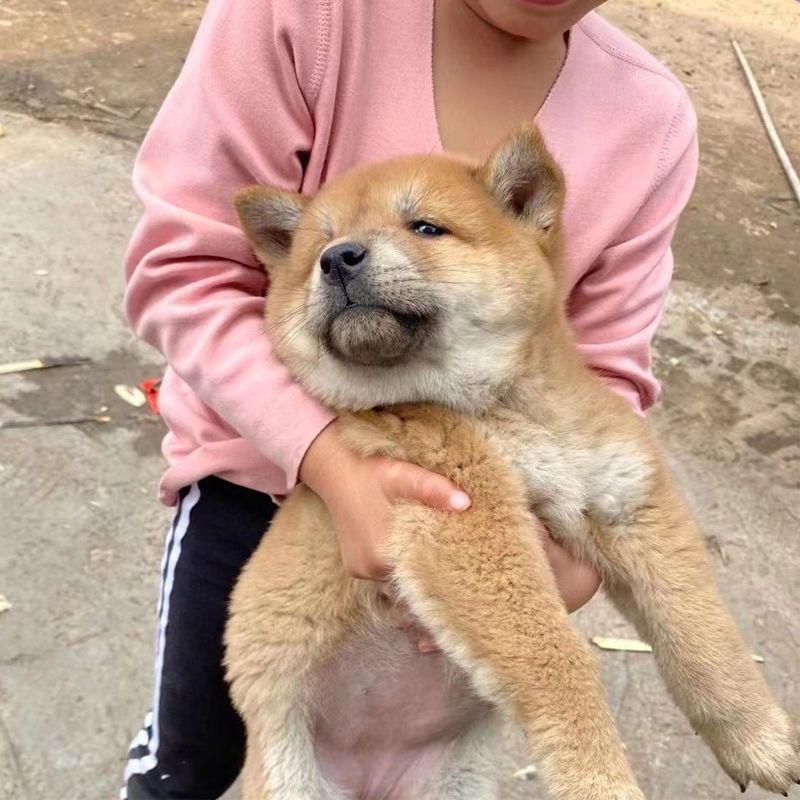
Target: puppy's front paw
{"points": [[766, 752]]}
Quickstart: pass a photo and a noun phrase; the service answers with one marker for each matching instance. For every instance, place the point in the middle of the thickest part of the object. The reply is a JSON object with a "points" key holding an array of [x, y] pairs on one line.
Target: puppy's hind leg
{"points": [[659, 575], [292, 604]]}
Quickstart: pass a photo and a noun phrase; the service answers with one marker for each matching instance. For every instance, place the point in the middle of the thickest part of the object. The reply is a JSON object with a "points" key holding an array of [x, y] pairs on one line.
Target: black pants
{"points": [[192, 743]]}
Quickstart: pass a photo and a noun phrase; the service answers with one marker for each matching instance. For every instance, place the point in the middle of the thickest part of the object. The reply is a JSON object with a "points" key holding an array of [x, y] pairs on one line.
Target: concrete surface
{"points": [[80, 550]]}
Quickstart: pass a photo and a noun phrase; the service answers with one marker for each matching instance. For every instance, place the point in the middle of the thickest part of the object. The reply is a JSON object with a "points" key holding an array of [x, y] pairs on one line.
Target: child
{"points": [[290, 93]]}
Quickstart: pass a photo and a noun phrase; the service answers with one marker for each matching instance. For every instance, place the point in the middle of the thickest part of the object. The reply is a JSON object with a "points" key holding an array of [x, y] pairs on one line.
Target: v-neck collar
{"points": [[541, 116]]}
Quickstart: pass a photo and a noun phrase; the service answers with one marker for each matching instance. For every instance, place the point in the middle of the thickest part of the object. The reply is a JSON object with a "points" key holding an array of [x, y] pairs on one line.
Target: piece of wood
{"points": [[41, 363], [635, 646], [625, 645], [766, 118], [21, 366]]}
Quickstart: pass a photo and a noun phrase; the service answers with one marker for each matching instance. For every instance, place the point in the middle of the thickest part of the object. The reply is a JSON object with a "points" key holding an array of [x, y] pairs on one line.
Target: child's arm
{"points": [[616, 309], [238, 114], [241, 113]]}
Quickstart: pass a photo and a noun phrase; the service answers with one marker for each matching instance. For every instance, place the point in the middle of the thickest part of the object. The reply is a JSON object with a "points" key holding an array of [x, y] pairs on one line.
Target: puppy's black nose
{"points": [[342, 262]]}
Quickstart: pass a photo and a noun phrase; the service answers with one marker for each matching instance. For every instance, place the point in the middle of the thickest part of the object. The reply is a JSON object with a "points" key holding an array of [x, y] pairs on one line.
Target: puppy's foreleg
{"points": [[480, 582], [659, 575]]}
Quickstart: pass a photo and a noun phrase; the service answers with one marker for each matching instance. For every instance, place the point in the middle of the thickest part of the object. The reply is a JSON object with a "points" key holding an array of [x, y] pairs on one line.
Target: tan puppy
{"points": [[436, 284]]}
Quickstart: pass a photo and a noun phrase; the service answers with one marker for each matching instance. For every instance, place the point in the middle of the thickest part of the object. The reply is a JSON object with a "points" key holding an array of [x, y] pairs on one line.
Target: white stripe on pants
{"points": [[139, 766]]}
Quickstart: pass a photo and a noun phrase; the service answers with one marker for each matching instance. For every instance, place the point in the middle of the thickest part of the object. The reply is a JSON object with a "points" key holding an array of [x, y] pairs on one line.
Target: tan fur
{"points": [[527, 431]]}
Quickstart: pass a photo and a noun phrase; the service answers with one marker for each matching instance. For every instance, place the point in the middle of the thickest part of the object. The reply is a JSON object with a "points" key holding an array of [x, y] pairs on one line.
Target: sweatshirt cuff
{"points": [[625, 389], [308, 425]]}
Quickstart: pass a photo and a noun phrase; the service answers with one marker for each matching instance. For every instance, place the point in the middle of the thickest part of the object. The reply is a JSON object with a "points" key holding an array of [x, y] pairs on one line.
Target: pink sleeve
{"points": [[617, 307], [238, 114]]}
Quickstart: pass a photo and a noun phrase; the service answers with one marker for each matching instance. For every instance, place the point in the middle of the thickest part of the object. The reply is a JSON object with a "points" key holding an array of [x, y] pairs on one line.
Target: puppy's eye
{"points": [[425, 228]]}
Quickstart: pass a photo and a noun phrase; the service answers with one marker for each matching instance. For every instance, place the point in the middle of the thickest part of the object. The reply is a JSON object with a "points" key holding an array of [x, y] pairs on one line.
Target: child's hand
{"points": [[577, 582], [359, 494]]}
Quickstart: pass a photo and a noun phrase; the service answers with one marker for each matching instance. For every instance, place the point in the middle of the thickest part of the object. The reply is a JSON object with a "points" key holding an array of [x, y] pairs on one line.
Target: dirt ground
{"points": [[91, 63], [79, 82]]}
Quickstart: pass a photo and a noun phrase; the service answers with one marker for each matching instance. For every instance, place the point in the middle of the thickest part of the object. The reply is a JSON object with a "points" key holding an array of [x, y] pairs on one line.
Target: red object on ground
{"points": [[150, 388]]}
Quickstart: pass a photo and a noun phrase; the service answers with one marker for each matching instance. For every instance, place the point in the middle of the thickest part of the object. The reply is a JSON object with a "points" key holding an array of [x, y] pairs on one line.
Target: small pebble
{"points": [[526, 773]]}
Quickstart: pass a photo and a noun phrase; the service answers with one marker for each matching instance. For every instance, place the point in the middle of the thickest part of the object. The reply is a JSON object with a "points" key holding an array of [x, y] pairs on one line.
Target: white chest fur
{"points": [[574, 480]]}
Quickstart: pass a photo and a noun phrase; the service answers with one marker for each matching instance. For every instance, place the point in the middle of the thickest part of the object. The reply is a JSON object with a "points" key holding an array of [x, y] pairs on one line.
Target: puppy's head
{"points": [[421, 279]]}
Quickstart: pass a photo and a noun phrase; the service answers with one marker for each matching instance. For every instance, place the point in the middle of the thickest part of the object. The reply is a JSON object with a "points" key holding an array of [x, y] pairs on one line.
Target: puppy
{"points": [[424, 300]]}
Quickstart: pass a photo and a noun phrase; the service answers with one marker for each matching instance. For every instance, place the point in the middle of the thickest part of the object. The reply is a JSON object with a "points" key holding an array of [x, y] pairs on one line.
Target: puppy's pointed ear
{"points": [[523, 177], [269, 217]]}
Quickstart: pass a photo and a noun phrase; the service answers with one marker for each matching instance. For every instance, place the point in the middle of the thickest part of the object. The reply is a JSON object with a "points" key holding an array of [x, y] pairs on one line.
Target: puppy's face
{"points": [[417, 280]]}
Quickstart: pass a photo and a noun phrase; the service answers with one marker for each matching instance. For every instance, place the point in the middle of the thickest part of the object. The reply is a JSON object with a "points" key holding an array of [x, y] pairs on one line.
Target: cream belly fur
{"points": [[444, 315], [384, 716]]}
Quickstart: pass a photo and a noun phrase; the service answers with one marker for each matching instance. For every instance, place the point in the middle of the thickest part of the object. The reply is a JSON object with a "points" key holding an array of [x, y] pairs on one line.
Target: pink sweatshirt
{"points": [[293, 92]]}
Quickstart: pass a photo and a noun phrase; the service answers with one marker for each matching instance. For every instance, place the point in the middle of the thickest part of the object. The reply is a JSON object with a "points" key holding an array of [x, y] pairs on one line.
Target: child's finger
{"points": [[410, 482]]}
